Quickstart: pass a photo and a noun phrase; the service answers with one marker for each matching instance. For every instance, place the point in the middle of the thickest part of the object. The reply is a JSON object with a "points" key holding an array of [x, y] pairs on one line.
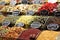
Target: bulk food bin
{"points": [[24, 21], [53, 23], [10, 21], [47, 9], [9, 10], [49, 35], [30, 34], [46, 23], [40, 22], [10, 33]]}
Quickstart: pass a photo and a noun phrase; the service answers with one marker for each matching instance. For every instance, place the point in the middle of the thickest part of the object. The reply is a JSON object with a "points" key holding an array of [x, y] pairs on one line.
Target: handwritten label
{"points": [[24, 1], [5, 23], [52, 26], [20, 24], [57, 13], [36, 2], [15, 13], [30, 12], [12, 2], [35, 25]]}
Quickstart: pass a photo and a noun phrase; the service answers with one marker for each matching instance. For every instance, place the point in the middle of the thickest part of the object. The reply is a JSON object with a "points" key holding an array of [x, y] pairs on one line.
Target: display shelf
{"points": [[29, 20]]}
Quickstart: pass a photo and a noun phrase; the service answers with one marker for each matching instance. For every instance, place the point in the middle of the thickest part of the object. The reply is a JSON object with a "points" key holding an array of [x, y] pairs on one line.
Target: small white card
{"points": [[5, 23], [15, 13], [35, 25], [12, 2], [52, 26], [52, 1], [30, 12], [36, 2], [20, 24]]}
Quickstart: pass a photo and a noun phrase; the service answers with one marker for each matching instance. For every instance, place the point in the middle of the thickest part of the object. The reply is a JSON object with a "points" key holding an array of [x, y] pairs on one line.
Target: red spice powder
{"points": [[29, 33]]}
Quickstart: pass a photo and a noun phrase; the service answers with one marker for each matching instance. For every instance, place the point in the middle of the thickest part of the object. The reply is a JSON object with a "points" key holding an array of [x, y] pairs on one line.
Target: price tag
{"points": [[36, 2], [30, 12], [5, 23], [52, 1], [15, 13], [57, 13], [24, 1], [20, 24], [12, 2], [35, 25], [44, 12], [52, 26], [2, 3]]}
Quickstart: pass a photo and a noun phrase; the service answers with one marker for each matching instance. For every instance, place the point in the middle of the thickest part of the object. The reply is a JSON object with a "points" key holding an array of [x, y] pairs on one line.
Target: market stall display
{"points": [[10, 21], [39, 22], [29, 20]]}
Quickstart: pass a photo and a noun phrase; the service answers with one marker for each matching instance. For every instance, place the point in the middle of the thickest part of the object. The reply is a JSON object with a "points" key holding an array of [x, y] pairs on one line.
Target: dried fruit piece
{"points": [[14, 32]]}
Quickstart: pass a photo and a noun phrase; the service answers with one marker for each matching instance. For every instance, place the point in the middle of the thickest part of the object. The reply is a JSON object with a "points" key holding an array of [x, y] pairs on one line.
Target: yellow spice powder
{"points": [[25, 19], [48, 35]]}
